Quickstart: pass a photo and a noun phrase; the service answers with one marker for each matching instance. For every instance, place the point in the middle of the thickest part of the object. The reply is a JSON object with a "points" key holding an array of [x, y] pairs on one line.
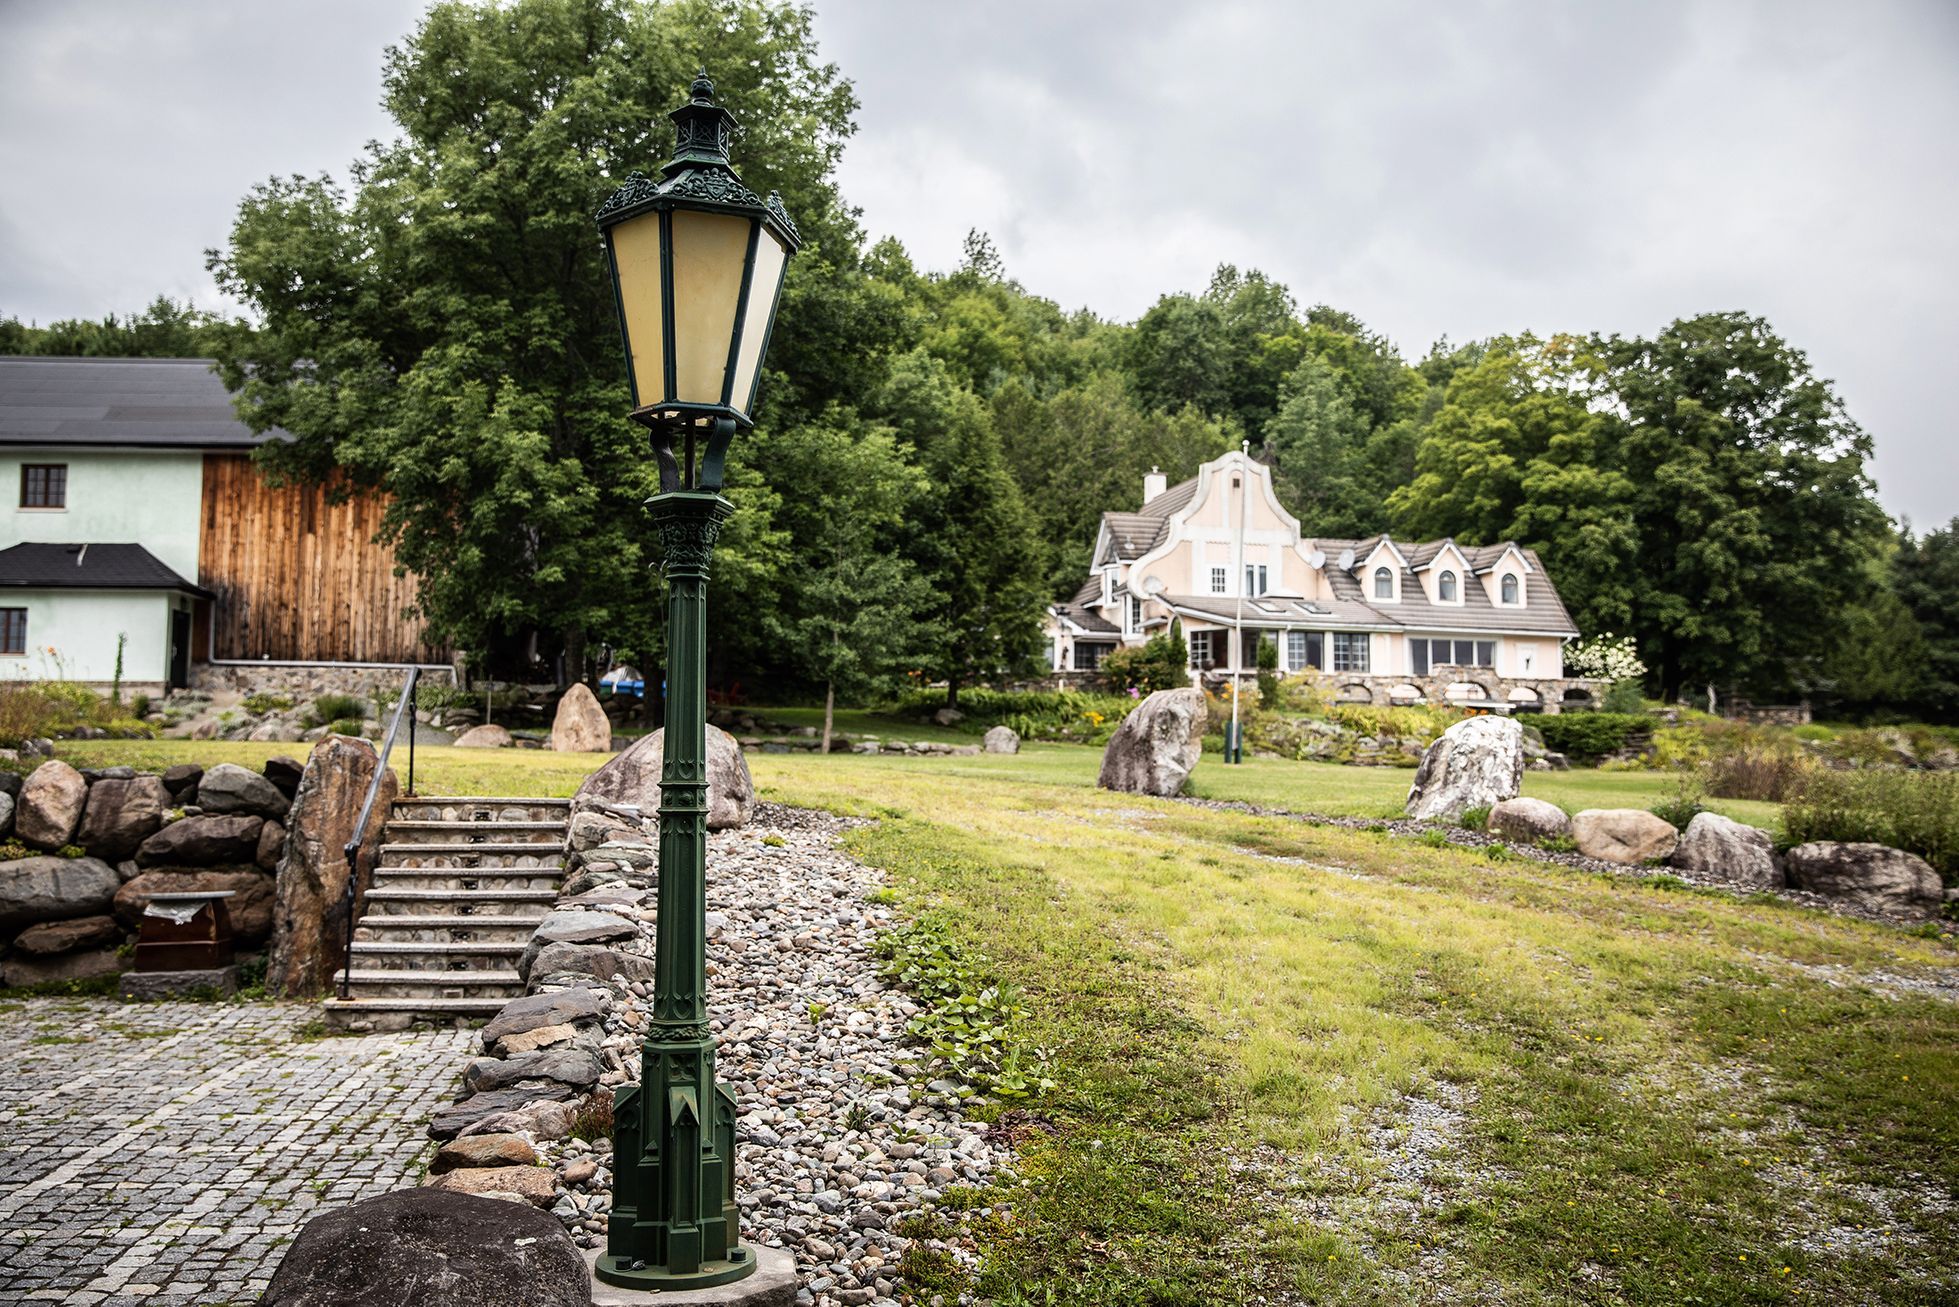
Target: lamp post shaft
{"points": [[674, 1223]]}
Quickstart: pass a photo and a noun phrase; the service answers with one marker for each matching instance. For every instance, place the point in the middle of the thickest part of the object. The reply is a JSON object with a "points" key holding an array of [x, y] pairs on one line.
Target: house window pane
{"points": [[1315, 650], [44, 485], [1486, 653], [1088, 657], [1349, 651], [1295, 650], [1383, 583], [1254, 578], [13, 630], [1465, 653], [1509, 587], [1217, 580], [1135, 613], [1419, 650], [1446, 588]]}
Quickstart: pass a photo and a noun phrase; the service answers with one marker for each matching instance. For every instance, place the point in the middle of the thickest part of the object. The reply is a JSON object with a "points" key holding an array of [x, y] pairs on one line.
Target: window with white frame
{"points": [[1088, 657], [1383, 583], [1427, 654], [1350, 651], [1304, 649], [1510, 589], [1206, 649], [1255, 578], [1135, 614], [1445, 587], [1220, 578]]}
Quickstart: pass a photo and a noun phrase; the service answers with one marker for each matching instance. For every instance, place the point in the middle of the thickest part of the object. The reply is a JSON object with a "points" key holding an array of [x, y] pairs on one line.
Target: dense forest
{"points": [[934, 447]]}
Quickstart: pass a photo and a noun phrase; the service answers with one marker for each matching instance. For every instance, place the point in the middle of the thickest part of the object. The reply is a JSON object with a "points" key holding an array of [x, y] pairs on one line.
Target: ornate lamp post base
{"points": [[652, 1279]]}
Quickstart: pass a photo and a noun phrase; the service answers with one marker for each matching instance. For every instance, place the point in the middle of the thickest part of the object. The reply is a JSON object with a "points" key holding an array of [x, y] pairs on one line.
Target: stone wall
{"points": [[304, 681], [97, 844]]}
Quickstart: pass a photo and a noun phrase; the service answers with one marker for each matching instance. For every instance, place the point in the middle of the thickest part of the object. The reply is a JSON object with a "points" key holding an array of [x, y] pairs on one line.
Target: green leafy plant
{"points": [[970, 1022], [336, 708], [345, 726], [1589, 736], [593, 1119], [1474, 819], [1558, 844], [1684, 803], [260, 704], [1435, 838]]}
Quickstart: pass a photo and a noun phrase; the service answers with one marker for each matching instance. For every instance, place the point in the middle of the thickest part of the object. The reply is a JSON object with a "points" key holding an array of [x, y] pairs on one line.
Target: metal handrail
{"points": [[351, 851]]}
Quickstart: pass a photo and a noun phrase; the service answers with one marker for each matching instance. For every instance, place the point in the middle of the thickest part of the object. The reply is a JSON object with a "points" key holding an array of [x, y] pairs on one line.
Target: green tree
{"points": [[852, 612], [972, 534], [1517, 451], [1748, 495], [166, 329], [445, 332], [1925, 577]]}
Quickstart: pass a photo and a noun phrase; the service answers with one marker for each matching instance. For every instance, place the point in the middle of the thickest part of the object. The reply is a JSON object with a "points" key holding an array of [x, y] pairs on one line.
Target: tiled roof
{"points": [[88, 567], [1542, 611], [171, 403], [1173, 500], [1135, 534], [1087, 619]]}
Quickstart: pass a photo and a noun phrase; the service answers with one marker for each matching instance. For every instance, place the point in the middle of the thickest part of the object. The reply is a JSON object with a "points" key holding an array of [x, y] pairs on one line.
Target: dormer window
{"points": [[1383, 583], [1510, 589], [1445, 588]]}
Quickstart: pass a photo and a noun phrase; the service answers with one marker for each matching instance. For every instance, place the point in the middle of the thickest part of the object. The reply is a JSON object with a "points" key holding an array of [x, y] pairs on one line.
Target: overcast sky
{"points": [[1446, 168]]}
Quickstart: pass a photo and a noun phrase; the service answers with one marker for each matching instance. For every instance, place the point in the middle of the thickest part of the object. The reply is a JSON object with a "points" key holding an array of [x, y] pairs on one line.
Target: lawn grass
{"points": [[1312, 1064], [863, 721], [1323, 1065]]}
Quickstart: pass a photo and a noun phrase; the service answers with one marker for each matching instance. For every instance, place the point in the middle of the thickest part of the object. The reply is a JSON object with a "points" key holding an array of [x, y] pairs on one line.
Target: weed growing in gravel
{"points": [[1435, 838], [1474, 818], [970, 1022]]}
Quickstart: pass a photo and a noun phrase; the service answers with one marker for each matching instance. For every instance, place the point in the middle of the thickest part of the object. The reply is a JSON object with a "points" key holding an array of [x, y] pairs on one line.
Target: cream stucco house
{"points": [[1383, 621]]}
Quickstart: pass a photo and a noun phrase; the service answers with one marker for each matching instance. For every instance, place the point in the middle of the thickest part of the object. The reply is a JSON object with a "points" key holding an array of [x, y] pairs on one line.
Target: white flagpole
{"points": [[1237, 749]]}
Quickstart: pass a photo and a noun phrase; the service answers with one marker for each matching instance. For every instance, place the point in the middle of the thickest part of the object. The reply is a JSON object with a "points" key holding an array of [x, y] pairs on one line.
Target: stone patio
{"points": [[167, 1153]]}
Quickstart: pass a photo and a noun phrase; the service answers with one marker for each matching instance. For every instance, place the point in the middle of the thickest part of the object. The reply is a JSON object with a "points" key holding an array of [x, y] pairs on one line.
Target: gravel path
{"points": [[167, 1153], [838, 1142]]}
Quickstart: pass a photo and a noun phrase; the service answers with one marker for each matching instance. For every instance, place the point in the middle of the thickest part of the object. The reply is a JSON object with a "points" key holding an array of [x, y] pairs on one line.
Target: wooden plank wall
{"points": [[299, 578]]}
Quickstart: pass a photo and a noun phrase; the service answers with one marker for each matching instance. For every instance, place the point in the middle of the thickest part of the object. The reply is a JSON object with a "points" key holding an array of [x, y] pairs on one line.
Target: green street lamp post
{"points": [[697, 266]]}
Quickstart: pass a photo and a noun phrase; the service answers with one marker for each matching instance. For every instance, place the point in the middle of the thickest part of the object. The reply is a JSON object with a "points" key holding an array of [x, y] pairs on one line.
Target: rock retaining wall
{"points": [[92, 846]]}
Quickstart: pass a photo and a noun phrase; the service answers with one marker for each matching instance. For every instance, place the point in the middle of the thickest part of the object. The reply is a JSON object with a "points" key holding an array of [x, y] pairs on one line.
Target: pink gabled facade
{"points": [[1382, 620]]}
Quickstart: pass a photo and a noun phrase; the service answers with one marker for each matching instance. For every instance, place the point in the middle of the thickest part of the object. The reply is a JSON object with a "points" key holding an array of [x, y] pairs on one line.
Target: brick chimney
{"points": [[1154, 484]]}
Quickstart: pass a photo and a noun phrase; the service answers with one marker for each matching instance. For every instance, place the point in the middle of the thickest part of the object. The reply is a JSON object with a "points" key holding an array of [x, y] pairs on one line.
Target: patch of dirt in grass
{"points": [[1943, 986]]}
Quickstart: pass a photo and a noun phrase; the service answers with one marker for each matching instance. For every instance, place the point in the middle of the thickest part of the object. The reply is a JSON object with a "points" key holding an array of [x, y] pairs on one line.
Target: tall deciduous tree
{"points": [[1925, 576], [1750, 500], [444, 329]]}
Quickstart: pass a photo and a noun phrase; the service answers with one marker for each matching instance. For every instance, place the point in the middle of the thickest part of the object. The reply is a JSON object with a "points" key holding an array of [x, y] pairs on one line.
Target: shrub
{"points": [[336, 708], [1760, 772], [1033, 714], [1156, 664], [1914, 811], [260, 704], [33, 709], [1474, 819], [1623, 697], [345, 726], [1684, 804], [1589, 736]]}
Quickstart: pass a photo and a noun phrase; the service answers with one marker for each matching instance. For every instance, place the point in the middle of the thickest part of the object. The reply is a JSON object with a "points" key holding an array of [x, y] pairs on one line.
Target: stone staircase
{"points": [[459, 885]]}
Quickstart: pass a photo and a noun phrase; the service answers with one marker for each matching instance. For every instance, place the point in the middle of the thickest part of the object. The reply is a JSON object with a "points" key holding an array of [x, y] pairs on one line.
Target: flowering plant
{"points": [[1606, 658]]}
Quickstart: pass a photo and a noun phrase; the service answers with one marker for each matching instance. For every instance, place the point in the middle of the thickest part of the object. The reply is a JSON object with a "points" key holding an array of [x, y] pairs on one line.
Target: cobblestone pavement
{"points": [[167, 1153]]}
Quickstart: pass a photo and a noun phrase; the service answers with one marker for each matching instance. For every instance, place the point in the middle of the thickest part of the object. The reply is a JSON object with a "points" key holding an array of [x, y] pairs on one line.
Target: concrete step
{"points": [[437, 955], [460, 902], [432, 984], [466, 855], [400, 1013], [440, 877], [398, 831], [487, 808], [433, 928]]}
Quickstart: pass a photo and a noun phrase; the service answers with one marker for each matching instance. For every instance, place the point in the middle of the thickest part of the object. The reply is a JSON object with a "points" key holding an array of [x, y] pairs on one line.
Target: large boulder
{"points": [[1629, 835], [484, 737], [7, 806], [284, 771], [203, 842], [121, 814], [229, 788], [249, 907], [309, 927], [1721, 849], [50, 805], [53, 938], [1001, 739], [633, 779], [1477, 763], [1870, 877], [182, 780], [458, 1118], [54, 889], [1528, 821], [607, 965], [432, 1247], [483, 1150], [21, 969], [580, 725], [1156, 746]]}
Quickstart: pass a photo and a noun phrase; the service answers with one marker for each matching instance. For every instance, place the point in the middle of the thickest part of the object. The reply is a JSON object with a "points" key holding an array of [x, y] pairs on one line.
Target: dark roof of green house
{"points": [[89, 567]]}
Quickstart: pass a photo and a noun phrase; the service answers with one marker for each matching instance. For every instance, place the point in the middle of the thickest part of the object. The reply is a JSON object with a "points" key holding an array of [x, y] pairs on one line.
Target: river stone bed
{"points": [[842, 1134]]}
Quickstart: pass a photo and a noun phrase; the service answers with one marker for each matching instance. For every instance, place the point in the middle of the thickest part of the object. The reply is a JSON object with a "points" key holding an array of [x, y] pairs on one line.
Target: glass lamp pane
{"points": [[709, 252], [636, 258], [771, 257]]}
